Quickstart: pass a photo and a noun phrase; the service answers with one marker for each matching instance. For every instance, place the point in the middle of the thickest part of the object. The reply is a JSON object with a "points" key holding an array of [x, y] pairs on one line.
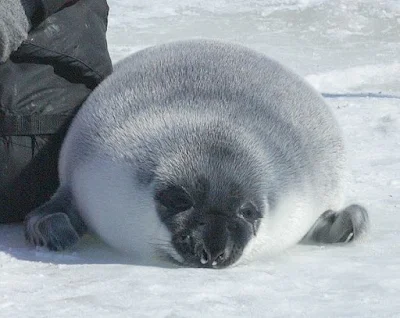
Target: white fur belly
{"points": [[118, 210]]}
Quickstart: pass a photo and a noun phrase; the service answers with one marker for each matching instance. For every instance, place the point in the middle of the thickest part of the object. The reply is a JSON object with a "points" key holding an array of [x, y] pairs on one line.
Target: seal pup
{"points": [[200, 150]]}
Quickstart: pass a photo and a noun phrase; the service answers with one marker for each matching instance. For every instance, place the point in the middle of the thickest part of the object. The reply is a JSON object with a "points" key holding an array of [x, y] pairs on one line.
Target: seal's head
{"points": [[208, 233], [212, 206]]}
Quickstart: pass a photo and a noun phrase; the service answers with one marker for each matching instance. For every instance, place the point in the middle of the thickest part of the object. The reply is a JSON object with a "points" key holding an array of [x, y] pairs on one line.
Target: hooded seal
{"points": [[202, 151]]}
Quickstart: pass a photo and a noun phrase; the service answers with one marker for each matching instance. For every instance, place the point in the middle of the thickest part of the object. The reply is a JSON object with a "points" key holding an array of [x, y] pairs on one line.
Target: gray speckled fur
{"points": [[162, 113], [14, 27], [168, 90]]}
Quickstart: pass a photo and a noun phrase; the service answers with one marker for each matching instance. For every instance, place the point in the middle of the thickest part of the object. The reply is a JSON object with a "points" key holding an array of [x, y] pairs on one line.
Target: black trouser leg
{"points": [[34, 184]]}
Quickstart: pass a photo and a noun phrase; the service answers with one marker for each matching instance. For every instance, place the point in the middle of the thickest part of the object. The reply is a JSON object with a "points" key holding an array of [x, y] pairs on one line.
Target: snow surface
{"points": [[339, 46]]}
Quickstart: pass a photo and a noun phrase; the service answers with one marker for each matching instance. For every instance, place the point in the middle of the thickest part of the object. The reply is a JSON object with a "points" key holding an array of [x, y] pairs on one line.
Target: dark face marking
{"points": [[174, 199], [208, 233]]}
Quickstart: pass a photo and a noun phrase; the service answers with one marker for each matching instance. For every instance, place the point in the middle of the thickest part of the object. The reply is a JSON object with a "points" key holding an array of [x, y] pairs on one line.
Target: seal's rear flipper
{"points": [[56, 224], [338, 227]]}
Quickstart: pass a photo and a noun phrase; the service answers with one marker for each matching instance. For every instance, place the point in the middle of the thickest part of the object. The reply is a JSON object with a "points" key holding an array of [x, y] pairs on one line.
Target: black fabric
{"points": [[32, 7], [30, 181], [49, 76], [27, 125], [50, 7]]}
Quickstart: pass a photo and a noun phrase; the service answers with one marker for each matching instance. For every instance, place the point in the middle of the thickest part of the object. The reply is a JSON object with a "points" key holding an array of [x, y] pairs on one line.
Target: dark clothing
{"points": [[48, 7], [63, 59]]}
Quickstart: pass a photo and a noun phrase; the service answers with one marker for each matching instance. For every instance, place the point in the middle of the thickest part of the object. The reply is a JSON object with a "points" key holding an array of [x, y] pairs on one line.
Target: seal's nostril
{"points": [[204, 257], [219, 259], [185, 239]]}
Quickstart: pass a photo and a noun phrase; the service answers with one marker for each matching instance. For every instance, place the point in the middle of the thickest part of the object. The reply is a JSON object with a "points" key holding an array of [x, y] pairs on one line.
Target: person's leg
{"points": [[35, 183]]}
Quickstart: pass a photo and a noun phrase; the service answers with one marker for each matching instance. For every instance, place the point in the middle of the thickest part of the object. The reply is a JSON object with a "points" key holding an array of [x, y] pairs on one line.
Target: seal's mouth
{"points": [[207, 249], [186, 252], [221, 263]]}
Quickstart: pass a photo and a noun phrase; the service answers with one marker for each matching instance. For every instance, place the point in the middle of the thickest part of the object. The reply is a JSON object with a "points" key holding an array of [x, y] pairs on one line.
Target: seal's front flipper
{"points": [[339, 227], [56, 224]]}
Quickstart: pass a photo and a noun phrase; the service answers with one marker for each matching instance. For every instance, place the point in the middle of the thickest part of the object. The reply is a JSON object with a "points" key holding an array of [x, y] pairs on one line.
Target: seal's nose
{"points": [[213, 258], [216, 244]]}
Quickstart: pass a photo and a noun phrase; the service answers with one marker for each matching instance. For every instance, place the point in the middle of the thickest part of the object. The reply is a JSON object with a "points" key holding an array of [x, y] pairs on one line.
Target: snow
{"points": [[339, 46]]}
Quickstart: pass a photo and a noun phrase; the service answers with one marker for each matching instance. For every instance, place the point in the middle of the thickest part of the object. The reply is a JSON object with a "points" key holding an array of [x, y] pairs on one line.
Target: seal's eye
{"points": [[249, 212], [174, 198]]}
